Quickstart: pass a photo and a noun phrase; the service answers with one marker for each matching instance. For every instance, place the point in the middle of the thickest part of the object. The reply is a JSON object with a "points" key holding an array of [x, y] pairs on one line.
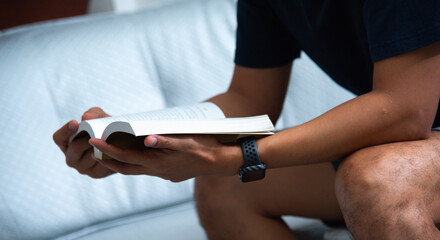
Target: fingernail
{"points": [[153, 142], [91, 142], [71, 126]]}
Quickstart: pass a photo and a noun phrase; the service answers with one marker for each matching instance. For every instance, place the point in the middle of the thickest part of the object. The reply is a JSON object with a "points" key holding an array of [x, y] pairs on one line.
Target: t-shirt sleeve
{"points": [[399, 26], [262, 40]]}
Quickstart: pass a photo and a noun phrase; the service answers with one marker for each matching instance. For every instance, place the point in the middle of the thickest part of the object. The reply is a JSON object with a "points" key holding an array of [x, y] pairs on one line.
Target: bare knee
{"points": [[357, 186], [376, 191], [362, 173], [213, 200]]}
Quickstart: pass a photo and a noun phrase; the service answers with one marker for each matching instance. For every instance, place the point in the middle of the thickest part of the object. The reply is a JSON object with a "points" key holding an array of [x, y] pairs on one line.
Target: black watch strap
{"points": [[252, 169]]}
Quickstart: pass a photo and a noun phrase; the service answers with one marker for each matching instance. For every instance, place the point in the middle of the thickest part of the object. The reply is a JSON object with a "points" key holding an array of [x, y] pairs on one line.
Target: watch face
{"points": [[252, 176]]}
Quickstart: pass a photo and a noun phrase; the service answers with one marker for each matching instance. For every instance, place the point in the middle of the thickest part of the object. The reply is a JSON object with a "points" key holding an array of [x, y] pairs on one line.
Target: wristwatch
{"points": [[252, 169]]}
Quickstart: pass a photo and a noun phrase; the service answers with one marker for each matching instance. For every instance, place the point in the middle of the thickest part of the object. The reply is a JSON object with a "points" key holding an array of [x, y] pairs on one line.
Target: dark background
{"points": [[18, 12]]}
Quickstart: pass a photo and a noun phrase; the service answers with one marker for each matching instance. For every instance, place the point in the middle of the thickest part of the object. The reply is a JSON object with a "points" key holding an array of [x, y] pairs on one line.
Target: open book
{"points": [[129, 131]]}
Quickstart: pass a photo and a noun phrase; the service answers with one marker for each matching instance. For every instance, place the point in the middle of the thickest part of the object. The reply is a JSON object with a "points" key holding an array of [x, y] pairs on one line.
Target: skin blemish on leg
{"points": [[347, 172]]}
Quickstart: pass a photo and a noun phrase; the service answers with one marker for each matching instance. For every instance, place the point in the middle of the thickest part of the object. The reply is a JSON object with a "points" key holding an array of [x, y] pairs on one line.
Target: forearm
{"points": [[371, 119], [236, 105], [255, 92]]}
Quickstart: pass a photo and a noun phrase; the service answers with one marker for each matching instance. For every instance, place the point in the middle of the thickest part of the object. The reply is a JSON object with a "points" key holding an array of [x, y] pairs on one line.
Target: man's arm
{"points": [[255, 91], [179, 157], [401, 107]]}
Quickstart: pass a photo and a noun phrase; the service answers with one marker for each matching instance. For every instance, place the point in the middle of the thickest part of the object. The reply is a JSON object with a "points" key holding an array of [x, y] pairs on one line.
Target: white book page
{"points": [[94, 127], [255, 124], [244, 125], [206, 110]]}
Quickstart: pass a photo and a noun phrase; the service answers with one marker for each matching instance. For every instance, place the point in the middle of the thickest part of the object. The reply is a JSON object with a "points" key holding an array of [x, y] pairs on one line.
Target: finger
{"points": [[76, 153], [61, 137], [110, 150], [151, 141], [100, 171], [94, 112], [171, 142], [121, 155], [132, 169], [178, 179], [126, 169], [89, 166], [87, 170], [84, 165], [132, 157]]}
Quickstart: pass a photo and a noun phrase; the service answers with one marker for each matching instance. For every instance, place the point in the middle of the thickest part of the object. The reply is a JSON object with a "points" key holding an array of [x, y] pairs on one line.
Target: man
{"points": [[387, 186]]}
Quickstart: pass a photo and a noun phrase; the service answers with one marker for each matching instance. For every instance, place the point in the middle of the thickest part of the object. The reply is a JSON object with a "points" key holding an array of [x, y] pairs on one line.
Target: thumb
{"points": [[152, 141], [164, 142]]}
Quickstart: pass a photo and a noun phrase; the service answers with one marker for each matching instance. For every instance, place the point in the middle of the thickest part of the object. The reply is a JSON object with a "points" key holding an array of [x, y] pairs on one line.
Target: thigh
{"points": [[306, 191]]}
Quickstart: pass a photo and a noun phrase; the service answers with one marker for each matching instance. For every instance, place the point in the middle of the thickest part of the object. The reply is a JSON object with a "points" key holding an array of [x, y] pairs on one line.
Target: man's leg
{"points": [[392, 191], [229, 209]]}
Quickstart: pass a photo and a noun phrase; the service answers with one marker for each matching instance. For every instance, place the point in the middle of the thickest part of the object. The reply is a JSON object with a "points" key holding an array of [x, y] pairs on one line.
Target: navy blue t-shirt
{"points": [[344, 37]]}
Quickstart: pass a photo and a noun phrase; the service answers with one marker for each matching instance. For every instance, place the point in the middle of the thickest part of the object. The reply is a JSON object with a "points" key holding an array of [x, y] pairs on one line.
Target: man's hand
{"points": [[78, 152], [173, 157]]}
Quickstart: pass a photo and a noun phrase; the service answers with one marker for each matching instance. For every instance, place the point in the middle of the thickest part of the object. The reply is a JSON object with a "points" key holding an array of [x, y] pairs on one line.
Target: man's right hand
{"points": [[78, 152]]}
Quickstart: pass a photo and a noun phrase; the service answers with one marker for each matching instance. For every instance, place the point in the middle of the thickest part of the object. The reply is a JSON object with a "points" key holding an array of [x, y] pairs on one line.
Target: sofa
{"points": [[170, 54]]}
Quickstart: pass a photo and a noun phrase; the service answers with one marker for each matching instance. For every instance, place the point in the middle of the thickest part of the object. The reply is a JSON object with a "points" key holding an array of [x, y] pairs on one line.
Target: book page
{"points": [[242, 125], [130, 135], [97, 126], [94, 128], [205, 110]]}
